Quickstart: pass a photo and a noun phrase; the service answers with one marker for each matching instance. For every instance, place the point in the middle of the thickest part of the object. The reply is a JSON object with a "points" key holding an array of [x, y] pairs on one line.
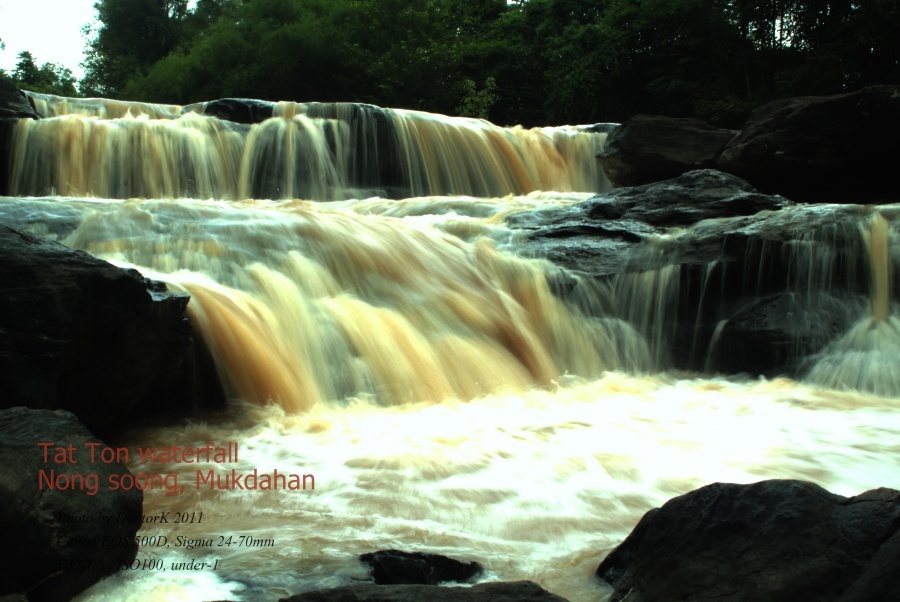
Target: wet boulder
{"points": [[820, 149], [102, 342], [239, 110], [65, 529], [395, 567], [779, 540], [14, 105], [650, 148]]}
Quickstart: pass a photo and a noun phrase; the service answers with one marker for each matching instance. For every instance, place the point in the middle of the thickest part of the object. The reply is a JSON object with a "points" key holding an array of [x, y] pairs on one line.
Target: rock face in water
{"points": [[83, 335], [14, 105], [706, 266], [838, 148], [774, 540], [396, 567], [650, 148], [239, 110], [60, 541], [517, 591]]}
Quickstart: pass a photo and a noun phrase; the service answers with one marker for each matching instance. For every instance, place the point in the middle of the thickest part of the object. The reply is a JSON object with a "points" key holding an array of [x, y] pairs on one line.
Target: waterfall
{"points": [[324, 152], [866, 357], [377, 322]]}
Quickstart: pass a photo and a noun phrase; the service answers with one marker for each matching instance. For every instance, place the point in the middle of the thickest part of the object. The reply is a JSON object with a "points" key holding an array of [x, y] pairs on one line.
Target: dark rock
{"points": [[838, 148], [682, 201], [650, 148], [58, 541], [83, 335], [777, 540], [595, 236], [770, 336], [239, 110], [600, 128], [516, 591], [395, 567], [881, 578], [14, 104]]}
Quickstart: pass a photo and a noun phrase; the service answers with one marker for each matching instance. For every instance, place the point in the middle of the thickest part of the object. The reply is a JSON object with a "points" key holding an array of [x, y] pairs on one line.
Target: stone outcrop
{"points": [[819, 149], [705, 265], [102, 342], [839, 148], [14, 105], [61, 538], [517, 591], [395, 567], [776, 540], [650, 148], [238, 110]]}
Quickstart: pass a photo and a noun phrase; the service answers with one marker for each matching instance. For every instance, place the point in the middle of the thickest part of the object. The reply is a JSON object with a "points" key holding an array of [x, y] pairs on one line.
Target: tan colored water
{"points": [[443, 399], [399, 351], [114, 149]]}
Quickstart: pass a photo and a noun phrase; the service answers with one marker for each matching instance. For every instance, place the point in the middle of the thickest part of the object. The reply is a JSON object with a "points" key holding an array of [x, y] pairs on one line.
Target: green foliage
{"points": [[49, 78], [531, 61], [475, 102]]}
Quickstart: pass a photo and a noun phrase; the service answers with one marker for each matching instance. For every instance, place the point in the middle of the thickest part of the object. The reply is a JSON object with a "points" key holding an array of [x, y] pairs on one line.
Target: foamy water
{"points": [[444, 400], [539, 485]]}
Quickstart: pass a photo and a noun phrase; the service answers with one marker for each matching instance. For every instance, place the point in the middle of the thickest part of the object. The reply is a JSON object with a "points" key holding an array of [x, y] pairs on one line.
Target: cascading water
{"points": [[867, 356], [444, 397]]}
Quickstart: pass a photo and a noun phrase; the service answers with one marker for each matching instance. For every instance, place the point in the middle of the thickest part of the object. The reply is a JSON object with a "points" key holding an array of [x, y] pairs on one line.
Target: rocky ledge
{"points": [[779, 540], [63, 526], [817, 149], [105, 343]]}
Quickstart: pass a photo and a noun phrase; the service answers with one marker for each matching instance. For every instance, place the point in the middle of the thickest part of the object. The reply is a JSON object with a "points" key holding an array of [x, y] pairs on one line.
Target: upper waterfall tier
{"points": [[317, 151]]}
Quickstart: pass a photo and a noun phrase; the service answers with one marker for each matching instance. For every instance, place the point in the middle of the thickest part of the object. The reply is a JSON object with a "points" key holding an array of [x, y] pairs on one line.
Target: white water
{"points": [[536, 468]]}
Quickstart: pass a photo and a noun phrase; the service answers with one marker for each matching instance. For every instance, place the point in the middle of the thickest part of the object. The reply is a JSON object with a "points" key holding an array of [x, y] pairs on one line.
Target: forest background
{"points": [[529, 62]]}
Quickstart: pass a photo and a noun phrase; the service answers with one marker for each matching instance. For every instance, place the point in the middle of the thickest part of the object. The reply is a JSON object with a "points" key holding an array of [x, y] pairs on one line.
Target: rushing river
{"points": [[403, 355]]}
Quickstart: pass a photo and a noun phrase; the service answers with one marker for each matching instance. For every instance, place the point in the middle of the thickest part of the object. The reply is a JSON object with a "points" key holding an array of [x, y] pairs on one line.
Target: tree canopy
{"points": [[530, 61], [49, 78]]}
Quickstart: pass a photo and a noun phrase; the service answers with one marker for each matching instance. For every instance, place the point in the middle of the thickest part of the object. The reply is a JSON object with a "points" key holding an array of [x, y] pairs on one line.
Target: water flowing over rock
{"points": [[237, 149], [66, 536], [83, 335], [774, 540]]}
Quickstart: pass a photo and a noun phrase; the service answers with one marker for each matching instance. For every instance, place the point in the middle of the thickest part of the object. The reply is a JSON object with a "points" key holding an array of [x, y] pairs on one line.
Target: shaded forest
{"points": [[533, 62]]}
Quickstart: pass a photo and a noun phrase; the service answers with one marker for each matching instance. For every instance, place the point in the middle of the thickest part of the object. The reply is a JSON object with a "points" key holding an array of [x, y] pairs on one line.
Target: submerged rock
{"points": [[65, 536], [779, 540], [516, 591], [102, 342], [395, 566]]}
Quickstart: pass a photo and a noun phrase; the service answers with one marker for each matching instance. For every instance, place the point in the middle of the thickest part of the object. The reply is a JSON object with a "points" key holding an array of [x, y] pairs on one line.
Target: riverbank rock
{"points": [[61, 538], [102, 342], [779, 540], [516, 591], [14, 105], [395, 567], [821, 149], [650, 148]]}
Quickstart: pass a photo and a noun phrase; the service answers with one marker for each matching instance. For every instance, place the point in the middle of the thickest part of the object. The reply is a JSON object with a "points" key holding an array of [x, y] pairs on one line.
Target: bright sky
{"points": [[49, 29]]}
